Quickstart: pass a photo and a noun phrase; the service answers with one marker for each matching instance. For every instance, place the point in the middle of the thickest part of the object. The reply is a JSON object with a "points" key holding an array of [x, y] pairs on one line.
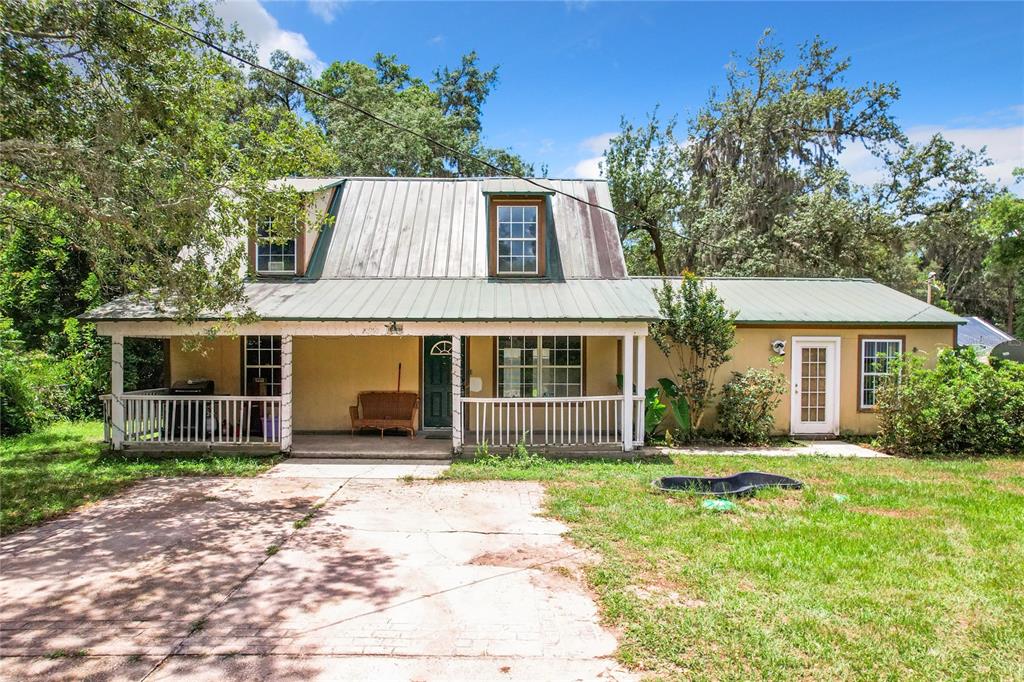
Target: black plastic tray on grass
{"points": [[745, 483]]}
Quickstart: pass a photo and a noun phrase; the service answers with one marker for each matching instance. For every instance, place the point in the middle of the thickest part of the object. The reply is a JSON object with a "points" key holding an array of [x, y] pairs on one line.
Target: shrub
{"points": [[746, 411], [518, 457], [22, 407], [962, 406]]}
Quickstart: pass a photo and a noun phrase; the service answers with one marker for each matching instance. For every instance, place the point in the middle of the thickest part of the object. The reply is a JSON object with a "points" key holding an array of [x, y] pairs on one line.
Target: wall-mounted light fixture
{"points": [[779, 347]]}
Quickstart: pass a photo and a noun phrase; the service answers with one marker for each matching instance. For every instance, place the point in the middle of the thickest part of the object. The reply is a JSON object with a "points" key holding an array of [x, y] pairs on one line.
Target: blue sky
{"points": [[569, 70]]}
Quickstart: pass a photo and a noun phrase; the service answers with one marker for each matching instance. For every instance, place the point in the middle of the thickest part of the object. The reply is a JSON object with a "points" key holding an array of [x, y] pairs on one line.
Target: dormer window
{"points": [[274, 255], [517, 236]]}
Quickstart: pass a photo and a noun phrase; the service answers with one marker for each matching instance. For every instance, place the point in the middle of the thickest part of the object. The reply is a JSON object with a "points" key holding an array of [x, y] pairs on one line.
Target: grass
{"points": [[50, 472], [916, 575]]}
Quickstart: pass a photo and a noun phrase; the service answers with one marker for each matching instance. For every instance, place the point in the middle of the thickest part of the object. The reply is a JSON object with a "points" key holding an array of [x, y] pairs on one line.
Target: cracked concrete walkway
{"points": [[209, 579]]}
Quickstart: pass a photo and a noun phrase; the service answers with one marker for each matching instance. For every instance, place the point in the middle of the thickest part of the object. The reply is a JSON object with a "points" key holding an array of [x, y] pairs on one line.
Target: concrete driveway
{"points": [[313, 571]]}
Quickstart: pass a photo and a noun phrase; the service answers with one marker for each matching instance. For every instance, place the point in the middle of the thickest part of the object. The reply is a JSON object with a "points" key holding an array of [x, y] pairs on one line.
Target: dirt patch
{"points": [[665, 596], [554, 557]]}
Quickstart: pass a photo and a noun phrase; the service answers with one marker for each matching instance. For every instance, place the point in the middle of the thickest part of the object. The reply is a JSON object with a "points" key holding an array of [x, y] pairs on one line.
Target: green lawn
{"points": [[52, 471], [918, 574]]}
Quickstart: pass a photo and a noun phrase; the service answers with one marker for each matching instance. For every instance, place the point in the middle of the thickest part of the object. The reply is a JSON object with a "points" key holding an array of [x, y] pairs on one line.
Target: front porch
{"points": [[538, 384]]}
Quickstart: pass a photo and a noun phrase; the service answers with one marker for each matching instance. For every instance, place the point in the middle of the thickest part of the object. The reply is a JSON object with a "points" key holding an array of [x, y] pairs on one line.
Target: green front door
{"points": [[437, 382]]}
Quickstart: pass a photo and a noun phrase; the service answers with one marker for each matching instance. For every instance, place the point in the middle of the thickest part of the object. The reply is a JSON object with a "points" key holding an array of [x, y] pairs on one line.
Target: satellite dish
{"points": [[1007, 350]]}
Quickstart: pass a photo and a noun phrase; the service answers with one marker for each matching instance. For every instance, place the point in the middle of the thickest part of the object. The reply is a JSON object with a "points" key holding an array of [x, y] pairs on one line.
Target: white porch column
{"points": [[641, 385], [286, 392], [627, 392], [117, 391], [457, 394]]}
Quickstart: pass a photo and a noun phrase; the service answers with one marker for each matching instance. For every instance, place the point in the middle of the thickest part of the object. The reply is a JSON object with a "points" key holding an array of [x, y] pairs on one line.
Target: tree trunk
{"points": [[659, 251]]}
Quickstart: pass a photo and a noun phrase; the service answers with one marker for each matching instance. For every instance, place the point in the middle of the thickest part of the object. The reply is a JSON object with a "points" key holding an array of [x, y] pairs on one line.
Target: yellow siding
{"points": [[753, 349]]}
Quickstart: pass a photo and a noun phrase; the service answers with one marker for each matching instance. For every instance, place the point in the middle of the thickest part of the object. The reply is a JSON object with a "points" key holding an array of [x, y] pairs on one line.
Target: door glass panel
{"points": [[812, 384]]}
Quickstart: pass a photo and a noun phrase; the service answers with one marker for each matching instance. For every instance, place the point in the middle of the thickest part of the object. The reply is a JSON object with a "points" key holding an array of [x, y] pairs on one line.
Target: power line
{"points": [[409, 131], [369, 114]]}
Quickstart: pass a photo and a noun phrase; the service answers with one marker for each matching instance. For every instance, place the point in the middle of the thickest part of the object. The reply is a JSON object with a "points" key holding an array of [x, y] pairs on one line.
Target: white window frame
{"points": [[521, 240], [264, 228], [275, 345], [540, 363], [864, 372]]}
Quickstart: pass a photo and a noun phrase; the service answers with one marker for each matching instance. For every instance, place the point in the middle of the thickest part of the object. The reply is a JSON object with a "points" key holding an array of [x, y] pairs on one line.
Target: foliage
{"points": [[35, 471], [518, 457], [695, 333], [962, 406], [449, 112], [654, 410], [754, 595], [151, 149], [675, 395], [746, 410], [1003, 222], [753, 185]]}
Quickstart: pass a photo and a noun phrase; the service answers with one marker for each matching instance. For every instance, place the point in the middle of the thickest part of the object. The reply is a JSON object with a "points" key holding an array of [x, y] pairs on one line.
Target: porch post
{"points": [[286, 392], [456, 394], [117, 391], [627, 392], [641, 386]]}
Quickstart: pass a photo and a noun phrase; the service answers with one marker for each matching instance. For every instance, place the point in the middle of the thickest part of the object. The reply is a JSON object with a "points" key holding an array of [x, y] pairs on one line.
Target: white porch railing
{"points": [[154, 417], [638, 421], [590, 420]]}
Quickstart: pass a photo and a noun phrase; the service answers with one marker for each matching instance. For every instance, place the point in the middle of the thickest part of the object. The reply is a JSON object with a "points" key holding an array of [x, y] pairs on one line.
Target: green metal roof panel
{"points": [[429, 299], [823, 301], [757, 300]]}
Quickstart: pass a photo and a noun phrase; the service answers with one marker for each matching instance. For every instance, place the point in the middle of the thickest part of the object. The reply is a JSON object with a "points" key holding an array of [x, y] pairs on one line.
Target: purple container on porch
{"points": [[272, 428]]}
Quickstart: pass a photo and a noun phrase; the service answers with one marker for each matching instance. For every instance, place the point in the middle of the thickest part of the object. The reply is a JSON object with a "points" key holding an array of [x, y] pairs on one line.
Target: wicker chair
{"points": [[385, 410]]}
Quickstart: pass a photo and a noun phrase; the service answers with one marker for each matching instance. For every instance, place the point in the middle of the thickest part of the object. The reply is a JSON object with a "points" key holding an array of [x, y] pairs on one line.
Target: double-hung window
{"points": [[517, 237], [540, 366], [262, 365], [275, 255], [877, 359]]}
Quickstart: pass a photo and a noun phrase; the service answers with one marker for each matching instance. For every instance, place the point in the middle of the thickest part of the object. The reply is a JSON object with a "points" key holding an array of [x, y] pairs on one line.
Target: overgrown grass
{"points": [[52, 471], [916, 575]]}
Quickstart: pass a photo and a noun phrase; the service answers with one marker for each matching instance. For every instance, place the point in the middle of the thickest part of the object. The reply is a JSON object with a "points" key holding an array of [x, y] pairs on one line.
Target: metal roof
{"points": [[429, 300], [305, 184], [981, 334], [839, 302], [836, 301], [437, 228]]}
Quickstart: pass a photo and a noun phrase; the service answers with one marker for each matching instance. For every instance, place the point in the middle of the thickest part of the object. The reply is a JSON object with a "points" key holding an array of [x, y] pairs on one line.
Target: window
{"points": [[540, 366], [876, 359], [273, 255], [517, 236], [262, 365]]}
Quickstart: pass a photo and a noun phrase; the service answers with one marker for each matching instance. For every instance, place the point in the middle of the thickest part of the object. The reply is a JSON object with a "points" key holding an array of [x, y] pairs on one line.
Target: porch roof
{"points": [[467, 300]]}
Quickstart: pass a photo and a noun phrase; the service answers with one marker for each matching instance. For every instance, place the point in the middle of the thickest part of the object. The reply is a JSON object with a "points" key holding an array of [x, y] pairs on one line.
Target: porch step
{"points": [[379, 457]]}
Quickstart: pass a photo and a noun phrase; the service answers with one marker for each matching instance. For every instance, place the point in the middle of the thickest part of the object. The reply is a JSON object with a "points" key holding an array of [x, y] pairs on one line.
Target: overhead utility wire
{"points": [[383, 121]]}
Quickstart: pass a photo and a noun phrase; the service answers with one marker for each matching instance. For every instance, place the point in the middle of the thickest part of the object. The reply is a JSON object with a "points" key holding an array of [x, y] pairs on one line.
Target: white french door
{"points": [[815, 389]]}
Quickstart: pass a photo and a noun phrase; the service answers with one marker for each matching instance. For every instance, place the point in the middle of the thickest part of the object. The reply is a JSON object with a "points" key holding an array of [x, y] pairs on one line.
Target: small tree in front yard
{"points": [[695, 333]]}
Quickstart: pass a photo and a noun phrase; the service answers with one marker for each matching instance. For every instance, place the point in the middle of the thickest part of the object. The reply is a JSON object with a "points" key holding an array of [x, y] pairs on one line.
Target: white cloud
{"points": [[590, 167], [326, 9], [436, 40], [262, 29], [1003, 144]]}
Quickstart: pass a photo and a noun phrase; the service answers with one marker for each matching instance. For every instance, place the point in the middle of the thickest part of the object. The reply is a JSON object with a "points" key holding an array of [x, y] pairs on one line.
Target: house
{"points": [[504, 306], [981, 334]]}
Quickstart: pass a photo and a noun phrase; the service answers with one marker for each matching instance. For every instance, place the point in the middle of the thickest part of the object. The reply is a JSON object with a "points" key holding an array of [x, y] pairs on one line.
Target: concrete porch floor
{"points": [[370, 445]]}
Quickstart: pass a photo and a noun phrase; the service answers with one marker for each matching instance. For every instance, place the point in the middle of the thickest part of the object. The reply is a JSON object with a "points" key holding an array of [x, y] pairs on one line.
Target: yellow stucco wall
{"points": [[330, 371], [753, 349], [216, 358]]}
